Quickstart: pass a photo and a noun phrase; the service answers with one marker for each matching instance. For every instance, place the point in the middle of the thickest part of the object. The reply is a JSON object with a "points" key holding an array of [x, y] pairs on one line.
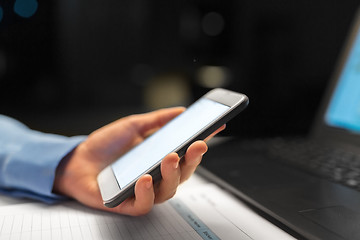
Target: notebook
{"points": [[309, 187]]}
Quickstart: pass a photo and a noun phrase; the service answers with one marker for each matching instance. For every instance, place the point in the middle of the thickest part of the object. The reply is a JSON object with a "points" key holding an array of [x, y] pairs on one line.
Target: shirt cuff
{"points": [[30, 171]]}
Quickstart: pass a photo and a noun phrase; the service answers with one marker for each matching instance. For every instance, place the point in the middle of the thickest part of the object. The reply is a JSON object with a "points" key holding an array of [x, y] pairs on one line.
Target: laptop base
{"points": [[313, 207]]}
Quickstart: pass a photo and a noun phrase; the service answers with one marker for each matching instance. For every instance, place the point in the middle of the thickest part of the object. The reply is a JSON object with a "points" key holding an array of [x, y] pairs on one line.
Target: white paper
{"points": [[200, 212], [224, 214]]}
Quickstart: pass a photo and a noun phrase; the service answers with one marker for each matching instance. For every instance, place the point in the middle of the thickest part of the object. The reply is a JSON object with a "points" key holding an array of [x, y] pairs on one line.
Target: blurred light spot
{"points": [[25, 8], [213, 24], [167, 91], [1, 13], [213, 76]]}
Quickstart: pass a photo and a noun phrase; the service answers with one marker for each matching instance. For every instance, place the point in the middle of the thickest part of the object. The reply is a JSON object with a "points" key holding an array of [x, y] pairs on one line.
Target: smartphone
{"points": [[215, 108]]}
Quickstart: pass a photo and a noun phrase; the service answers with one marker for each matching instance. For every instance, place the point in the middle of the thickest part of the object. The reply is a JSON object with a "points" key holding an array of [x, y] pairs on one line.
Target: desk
{"points": [[200, 210]]}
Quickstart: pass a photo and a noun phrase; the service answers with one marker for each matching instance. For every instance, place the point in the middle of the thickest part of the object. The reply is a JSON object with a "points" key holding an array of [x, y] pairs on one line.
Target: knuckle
{"points": [[164, 197], [142, 211], [172, 194]]}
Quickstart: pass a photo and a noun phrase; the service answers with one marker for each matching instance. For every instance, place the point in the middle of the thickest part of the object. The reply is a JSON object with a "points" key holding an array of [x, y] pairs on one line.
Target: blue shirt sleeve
{"points": [[28, 160]]}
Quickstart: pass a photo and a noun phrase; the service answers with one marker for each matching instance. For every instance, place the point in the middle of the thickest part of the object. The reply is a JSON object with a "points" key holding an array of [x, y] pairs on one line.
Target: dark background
{"points": [[78, 64]]}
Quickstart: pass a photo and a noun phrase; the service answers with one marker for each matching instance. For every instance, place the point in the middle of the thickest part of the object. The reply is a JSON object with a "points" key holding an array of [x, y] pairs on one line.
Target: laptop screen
{"points": [[344, 109]]}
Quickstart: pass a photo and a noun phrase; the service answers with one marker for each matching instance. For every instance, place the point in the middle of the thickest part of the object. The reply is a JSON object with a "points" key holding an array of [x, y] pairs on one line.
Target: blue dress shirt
{"points": [[28, 160]]}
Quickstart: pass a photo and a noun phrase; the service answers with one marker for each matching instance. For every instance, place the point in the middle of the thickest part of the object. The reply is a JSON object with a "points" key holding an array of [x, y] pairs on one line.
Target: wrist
{"points": [[62, 178]]}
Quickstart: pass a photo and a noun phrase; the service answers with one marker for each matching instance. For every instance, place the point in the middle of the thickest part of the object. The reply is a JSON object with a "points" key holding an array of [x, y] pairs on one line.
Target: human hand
{"points": [[76, 176]]}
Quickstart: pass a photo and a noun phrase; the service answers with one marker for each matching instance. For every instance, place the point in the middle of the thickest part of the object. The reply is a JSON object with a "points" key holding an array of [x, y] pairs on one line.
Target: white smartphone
{"points": [[198, 121]]}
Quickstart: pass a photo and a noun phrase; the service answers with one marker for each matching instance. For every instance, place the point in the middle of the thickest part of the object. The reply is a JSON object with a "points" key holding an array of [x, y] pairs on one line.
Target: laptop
{"points": [[310, 187]]}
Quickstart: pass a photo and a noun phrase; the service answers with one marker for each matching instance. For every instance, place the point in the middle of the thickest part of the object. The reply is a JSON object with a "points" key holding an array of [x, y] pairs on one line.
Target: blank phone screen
{"points": [[166, 140]]}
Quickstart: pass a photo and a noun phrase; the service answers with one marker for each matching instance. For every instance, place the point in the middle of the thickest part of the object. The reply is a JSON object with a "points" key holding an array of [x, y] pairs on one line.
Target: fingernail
{"points": [[176, 165], [148, 185], [206, 149], [204, 153]]}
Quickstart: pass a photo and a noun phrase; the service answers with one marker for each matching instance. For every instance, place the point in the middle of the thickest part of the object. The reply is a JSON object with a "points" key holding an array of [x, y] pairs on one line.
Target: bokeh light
{"points": [[25, 8]]}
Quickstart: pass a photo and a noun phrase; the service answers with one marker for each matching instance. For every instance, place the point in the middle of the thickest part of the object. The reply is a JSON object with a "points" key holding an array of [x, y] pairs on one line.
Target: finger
{"points": [[216, 132], [143, 201], [144, 123], [192, 159], [170, 173], [118, 137]]}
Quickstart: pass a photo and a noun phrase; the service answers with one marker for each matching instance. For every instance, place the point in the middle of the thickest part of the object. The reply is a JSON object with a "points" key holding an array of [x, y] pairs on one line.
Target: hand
{"points": [[76, 176]]}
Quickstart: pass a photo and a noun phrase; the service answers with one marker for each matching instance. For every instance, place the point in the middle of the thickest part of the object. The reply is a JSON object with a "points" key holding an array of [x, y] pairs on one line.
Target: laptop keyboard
{"points": [[335, 164]]}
